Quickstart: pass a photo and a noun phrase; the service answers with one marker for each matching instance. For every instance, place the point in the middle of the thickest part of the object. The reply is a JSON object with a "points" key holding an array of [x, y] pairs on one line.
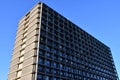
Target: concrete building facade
{"points": [[50, 47]]}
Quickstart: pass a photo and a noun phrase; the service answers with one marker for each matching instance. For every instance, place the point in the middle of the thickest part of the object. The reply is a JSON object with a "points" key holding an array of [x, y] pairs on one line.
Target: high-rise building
{"points": [[50, 47]]}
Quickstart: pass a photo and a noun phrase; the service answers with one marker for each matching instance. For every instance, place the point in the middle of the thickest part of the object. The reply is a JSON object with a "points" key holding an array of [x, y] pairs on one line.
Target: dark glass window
{"points": [[40, 77], [48, 55], [41, 68], [54, 71], [41, 60], [48, 70], [47, 62], [54, 64]]}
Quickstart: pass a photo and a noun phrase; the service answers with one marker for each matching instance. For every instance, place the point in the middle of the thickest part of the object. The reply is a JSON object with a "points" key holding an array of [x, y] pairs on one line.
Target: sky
{"points": [[100, 18]]}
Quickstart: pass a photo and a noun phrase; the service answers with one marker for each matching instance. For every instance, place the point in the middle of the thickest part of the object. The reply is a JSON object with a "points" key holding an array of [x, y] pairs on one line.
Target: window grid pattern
{"points": [[68, 52]]}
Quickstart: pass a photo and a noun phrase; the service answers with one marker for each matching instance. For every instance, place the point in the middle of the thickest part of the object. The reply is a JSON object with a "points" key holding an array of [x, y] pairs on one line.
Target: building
{"points": [[50, 47]]}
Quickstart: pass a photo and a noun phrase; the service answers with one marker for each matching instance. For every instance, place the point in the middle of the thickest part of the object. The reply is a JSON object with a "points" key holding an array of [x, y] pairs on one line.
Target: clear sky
{"points": [[100, 18]]}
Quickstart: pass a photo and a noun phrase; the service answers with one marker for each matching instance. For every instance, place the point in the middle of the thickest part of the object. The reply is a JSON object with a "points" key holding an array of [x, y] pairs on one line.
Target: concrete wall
{"points": [[27, 35]]}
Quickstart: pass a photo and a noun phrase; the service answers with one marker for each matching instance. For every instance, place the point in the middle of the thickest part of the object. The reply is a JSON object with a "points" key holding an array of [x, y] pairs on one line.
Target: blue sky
{"points": [[100, 18]]}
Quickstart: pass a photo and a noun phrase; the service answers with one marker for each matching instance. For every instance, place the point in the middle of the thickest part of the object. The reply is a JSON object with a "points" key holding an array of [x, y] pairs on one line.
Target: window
{"points": [[47, 62], [19, 73], [49, 35], [61, 73], [21, 58], [48, 54], [50, 30], [42, 52], [42, 46], [60, 46], [24, 34], [18, 79], [43, 39], [26, 29], [61, 66], [48, 48], [54, 78], [56, 38], [54, 71], [47, 78], [55, 57], [22, 52], [41, 60], [23, 45], [47, 70], [60, 59], [60, 53], [24, 40], [41, 68], [54, 64], [40, 76], [20, 65]]}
